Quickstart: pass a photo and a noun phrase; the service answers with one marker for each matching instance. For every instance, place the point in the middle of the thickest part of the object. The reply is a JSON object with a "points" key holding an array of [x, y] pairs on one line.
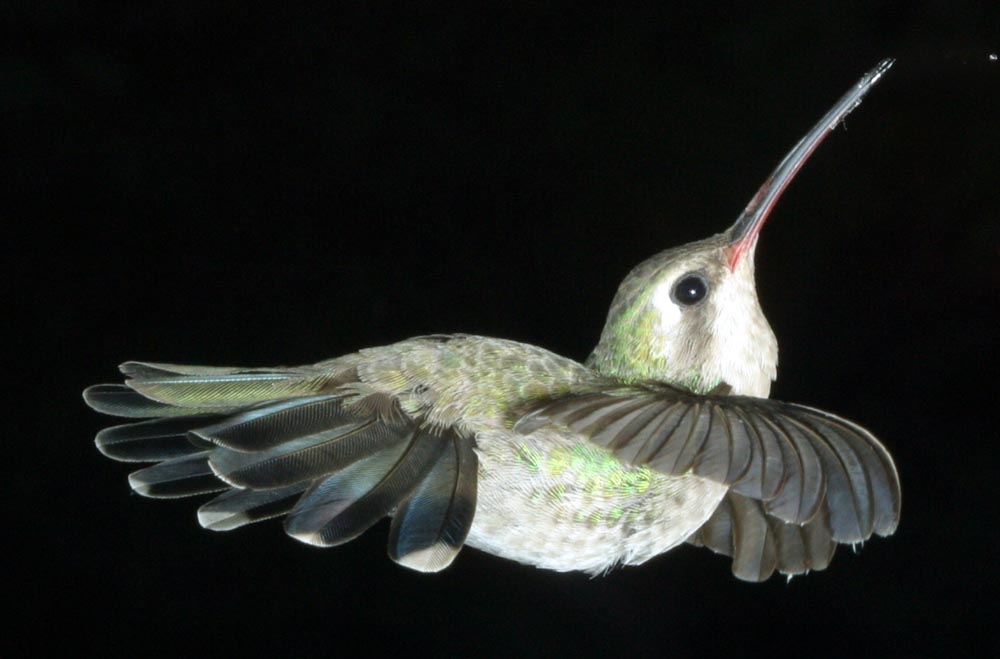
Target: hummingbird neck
{"points": [[633, 349]]}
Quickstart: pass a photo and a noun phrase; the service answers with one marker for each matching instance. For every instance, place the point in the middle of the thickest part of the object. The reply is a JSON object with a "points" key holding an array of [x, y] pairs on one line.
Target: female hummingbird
{"points": [[664, 435]]}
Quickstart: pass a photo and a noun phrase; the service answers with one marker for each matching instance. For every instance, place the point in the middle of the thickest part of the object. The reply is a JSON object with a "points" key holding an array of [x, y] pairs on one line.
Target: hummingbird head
{"points": [[689, 316]]}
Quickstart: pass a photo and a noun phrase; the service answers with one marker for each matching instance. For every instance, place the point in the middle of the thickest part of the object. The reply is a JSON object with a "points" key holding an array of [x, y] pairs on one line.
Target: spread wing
{"points": [[801, 480], [329, 458]]}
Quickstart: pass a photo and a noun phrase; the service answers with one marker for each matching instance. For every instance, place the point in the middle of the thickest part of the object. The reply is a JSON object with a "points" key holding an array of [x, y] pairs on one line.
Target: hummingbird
{"points": [[665, 435]]}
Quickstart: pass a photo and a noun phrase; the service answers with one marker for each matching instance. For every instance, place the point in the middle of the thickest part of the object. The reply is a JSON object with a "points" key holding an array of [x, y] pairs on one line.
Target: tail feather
{"points": [[179, 477], [430, 527], [150, 370], [306, 458], [345, 505], [120, 400], [271, 424], [227, 387], [235, 508], [303, 444], [225, 390], [154, 441]]}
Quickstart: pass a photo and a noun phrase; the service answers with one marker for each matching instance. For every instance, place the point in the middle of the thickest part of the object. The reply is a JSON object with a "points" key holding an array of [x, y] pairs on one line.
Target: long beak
{"points": [[743, 234]]}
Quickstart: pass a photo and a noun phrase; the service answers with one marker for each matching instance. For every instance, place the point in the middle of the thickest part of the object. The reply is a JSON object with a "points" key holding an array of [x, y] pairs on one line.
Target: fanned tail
{"points": [[311, 446]]}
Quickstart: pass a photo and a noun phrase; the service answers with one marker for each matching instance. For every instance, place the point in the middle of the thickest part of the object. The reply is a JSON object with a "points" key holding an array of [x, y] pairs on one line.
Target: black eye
{"points": [[691, 289]]}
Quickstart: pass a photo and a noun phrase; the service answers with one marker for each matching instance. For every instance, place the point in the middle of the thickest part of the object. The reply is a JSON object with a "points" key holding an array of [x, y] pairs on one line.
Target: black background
{"points": [[260, 186]]}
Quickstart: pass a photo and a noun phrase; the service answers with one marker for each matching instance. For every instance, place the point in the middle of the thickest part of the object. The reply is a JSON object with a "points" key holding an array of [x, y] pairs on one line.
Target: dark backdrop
{"points": [[260, 186]]}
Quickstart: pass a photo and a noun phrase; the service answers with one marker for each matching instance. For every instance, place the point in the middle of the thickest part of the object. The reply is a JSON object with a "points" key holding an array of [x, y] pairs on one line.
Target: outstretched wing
{"points": [[310, 447], [795, 472]]}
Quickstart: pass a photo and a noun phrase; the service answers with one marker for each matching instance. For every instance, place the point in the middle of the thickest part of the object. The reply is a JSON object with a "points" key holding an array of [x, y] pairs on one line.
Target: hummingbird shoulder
{"points": [[664, 436]]}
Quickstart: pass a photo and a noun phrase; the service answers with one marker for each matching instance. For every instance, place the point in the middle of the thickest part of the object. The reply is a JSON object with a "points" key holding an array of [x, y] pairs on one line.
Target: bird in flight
{"points": [[665, 435]]}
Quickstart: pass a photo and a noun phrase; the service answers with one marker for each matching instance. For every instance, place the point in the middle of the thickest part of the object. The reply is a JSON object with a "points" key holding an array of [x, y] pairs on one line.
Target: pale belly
{"points": [[555, 503]]}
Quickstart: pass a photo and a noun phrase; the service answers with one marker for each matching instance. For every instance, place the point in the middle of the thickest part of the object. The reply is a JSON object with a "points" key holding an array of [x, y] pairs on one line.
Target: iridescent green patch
{"points": [[595, 470], [529, 456]]}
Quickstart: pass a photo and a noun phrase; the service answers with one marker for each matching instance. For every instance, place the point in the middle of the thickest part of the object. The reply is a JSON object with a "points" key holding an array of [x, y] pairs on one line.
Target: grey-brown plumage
{"points": [[665, 435]]}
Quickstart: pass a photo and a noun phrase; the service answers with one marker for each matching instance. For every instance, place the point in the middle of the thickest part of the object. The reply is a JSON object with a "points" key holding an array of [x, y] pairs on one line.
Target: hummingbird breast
{"points": [[556, 501]]}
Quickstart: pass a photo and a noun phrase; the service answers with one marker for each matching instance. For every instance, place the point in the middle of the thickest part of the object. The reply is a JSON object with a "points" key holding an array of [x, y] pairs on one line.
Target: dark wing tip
{"points": [[869, 480]]}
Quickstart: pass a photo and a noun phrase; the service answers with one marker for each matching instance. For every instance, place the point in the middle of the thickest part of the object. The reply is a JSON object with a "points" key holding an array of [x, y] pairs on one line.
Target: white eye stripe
{"points": [[670, 312]]}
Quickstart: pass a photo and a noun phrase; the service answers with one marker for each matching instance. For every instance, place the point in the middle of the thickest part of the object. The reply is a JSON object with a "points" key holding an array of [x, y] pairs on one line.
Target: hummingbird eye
{"points": [[690, 289]]}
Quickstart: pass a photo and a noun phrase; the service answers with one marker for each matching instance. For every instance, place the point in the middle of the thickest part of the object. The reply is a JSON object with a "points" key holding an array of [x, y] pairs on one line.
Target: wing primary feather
{"points": [[714, 460], [883, 479], [562, 410], [621, 424], [663, 451], [572, 411], [802, 493], [848, 492], [635, 427], [594, 419], [697, 437], [741, 444], [634, 450], [765, 477]]}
